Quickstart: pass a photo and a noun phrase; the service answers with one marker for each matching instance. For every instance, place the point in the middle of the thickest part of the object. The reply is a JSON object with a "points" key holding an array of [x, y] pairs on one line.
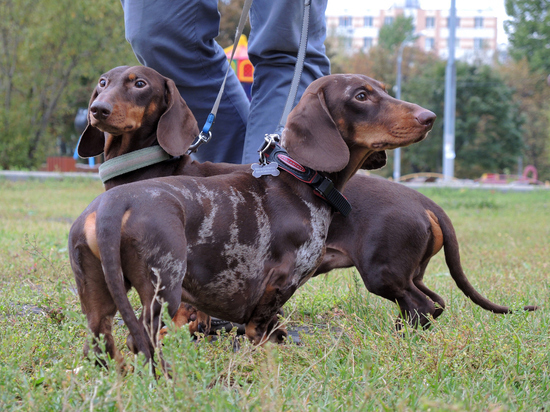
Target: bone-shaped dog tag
{"points": [[270, 169]]}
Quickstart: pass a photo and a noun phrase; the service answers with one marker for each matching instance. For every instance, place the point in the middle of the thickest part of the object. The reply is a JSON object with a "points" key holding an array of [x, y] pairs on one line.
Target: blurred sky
{"points": [[496, 5]]}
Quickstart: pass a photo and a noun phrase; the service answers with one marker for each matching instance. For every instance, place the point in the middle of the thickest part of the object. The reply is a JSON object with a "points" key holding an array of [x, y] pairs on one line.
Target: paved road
{"points": [[456, 184]]}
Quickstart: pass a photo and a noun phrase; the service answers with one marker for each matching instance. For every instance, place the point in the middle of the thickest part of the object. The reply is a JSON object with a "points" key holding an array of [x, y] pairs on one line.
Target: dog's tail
{"points": [[109, 229], [452, 257]]}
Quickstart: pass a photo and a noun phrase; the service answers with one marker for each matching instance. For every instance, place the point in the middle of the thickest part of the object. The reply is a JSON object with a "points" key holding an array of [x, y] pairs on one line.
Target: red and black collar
{"points": [[271, 151]]}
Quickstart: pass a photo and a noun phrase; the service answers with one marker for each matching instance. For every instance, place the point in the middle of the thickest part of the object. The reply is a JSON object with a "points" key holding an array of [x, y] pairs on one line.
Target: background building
{"points": [[357, 27]]}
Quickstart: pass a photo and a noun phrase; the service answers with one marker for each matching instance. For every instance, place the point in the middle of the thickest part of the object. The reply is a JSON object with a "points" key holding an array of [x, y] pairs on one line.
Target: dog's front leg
{"points": [[271, 330], [264, 325]]}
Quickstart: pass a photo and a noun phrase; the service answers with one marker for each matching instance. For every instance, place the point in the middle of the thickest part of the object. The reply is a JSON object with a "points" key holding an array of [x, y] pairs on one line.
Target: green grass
{"points": [[352, 359]]}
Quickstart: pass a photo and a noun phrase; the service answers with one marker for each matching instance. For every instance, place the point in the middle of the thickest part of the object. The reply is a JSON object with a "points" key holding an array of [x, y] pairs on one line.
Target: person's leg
{"points": [[273, 48], [176, 38]]}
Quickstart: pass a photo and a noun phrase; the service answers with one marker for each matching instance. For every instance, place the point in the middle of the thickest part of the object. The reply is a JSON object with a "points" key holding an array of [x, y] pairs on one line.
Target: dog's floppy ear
{"points": [[311, 136], [92, 140], [377, 160], [177, 126]]}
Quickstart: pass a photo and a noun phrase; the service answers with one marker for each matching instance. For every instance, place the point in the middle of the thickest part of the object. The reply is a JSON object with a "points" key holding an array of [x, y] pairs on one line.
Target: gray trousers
{"points": [[176, 38]]}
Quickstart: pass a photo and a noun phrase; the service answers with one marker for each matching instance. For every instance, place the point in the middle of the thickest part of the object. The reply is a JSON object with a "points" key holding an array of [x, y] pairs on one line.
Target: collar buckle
{"points": [[279, 158]]}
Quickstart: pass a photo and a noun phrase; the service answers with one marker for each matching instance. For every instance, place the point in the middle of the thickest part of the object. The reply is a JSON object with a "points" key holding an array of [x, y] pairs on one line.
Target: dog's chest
{"points": [[237, 236], [310, 253]]}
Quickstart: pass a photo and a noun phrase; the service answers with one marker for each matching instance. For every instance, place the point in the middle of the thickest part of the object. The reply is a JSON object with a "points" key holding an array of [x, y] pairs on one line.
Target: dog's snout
{"points": [[101, 110], [426, 118]]}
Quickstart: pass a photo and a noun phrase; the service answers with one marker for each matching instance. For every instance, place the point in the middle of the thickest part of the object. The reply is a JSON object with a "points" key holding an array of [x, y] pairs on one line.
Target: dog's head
{"points": [[342, 112], [139, 104]]}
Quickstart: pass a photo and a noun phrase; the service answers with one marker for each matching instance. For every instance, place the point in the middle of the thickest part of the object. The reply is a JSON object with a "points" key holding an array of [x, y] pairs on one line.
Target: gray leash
{"points": [[298, 68], [263, 167]]}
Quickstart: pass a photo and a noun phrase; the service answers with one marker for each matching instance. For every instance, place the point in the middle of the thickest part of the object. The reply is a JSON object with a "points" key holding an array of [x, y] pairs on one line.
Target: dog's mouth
{"points": [[114, 129], [406, 138], [381, 145], [399, 140], [421, 137]]}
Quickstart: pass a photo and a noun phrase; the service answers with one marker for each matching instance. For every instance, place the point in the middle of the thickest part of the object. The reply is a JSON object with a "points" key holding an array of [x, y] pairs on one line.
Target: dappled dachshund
{"points": [[234, 246]]}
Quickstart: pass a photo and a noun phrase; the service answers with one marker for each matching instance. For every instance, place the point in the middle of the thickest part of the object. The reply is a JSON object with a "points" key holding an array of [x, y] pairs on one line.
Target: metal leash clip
{"points": [[264, 168], [202, 138], [269, 140]]}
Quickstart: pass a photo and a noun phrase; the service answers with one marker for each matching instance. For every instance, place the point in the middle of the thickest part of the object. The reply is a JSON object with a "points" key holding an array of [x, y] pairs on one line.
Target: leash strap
{"points": [[322, 185], [132, 161], [298, 68], [205, 135]]}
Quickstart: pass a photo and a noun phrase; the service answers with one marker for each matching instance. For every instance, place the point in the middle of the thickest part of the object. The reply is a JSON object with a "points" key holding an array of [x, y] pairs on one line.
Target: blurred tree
{"points": [[529, 32], [230, 14], [488, 134], [392, 35], [533, 95], [380, 62], [529, 36], [51, 53]]}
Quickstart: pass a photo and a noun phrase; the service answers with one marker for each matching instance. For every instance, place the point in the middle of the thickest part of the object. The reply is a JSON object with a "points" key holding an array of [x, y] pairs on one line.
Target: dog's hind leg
{"points": [[99, 307], [419, 283], [100, 324], [263, 324], [153, 295], [95, 299], [438, 300], [415, 307], [158, 269]]}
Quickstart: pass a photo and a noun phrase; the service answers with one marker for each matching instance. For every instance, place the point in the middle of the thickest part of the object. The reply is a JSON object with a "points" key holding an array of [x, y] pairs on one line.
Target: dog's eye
{"points": [[102, 82], [140, 84], [361, 96]]}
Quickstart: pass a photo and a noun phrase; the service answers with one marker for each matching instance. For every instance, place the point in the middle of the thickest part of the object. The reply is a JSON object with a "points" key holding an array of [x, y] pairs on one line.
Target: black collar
{"points": [[323, 186]]}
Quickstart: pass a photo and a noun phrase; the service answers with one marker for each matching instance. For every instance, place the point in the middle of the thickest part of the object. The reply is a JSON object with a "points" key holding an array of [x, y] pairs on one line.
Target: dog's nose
{"points": [[426, 118], [101, 110]]}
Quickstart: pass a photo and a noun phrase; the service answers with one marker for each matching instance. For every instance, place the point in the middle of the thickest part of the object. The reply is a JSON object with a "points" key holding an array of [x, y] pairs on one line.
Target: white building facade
{"points": [[357, 27]]}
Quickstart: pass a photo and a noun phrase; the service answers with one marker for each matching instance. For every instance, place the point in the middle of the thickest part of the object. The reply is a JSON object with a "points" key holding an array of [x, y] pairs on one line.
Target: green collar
{"points": [[132, 161]]}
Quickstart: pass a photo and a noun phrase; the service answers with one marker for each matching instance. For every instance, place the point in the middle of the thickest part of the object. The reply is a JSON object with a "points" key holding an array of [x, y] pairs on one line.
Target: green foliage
{"points": [[488, 123], [51, 52], [392, 35], [533, 95], [529, 32], [488, 134], [351, 358], [529, 35], [230, 14]]}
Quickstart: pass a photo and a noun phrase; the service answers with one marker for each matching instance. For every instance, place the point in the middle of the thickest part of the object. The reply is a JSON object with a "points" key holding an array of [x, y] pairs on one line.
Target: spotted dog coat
{"points": [[232, 245]]}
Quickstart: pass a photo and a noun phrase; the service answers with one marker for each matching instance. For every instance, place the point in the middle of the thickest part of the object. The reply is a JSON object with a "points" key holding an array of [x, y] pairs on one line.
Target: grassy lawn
{"points": [[350, 359]]}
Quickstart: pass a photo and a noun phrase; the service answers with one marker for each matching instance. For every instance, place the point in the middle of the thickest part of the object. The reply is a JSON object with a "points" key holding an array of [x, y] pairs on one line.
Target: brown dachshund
{"points": [[390, 235], [374, 237], [233, 246]]}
